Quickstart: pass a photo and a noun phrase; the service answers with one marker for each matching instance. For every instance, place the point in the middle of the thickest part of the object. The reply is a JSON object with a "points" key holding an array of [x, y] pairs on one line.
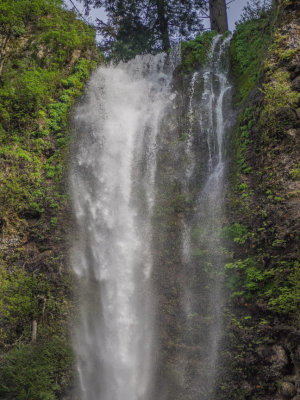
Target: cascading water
{"points": [[202, 246], [112, 180], [149, 268], [190, 181]]}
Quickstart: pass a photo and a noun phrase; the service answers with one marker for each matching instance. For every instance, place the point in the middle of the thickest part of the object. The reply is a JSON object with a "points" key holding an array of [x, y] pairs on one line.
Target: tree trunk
{"points": [[218, 16], [163, 24], [1, 64], [3, 50], [34, 330]]}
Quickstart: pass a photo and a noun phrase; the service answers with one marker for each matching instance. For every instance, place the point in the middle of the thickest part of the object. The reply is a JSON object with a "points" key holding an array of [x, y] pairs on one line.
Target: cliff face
{"points": [[43, 70], [47, 60], [263, 342]]}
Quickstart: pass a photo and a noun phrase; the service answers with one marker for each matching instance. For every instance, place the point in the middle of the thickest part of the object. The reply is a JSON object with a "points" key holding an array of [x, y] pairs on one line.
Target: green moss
{"points": [[248, 49], [194, 53], [295, 173], [31, 104], [279, 99]]}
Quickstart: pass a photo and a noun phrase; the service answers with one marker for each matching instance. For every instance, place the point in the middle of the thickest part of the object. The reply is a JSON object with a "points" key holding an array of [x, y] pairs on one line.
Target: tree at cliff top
{"points": [[256, 9], [218, 15], [142, 26]]}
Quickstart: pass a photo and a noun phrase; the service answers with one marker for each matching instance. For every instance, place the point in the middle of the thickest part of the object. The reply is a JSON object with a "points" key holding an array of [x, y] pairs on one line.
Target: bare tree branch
{"points": [[81, 16], [205, 14]]}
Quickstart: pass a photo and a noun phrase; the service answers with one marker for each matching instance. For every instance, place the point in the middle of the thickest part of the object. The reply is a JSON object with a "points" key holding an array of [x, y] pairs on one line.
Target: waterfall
{"points": [[201, 233], [112, 180], [191, 184], [148, 211]]}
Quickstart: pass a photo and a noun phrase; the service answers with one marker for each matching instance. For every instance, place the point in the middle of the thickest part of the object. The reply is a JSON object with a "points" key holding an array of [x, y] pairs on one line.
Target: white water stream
{"points": [[113, 188], [201, 232], [112, 181]]}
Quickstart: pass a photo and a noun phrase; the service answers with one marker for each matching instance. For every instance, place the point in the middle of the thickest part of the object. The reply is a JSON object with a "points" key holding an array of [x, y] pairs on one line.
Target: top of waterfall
{"points": [[149, 64], [218, 46]]}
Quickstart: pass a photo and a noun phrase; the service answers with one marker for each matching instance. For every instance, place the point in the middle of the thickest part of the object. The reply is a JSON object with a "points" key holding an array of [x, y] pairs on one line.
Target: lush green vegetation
{"points": [[248, 50], [45, 64], [37, 372], [262, 276], [36, 94], [194, 53], [265, 270], [266, 274], [279, 101]]}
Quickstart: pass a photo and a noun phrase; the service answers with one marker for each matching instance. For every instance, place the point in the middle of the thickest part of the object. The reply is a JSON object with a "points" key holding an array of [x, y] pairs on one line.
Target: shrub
{"points": [[36, 372]]}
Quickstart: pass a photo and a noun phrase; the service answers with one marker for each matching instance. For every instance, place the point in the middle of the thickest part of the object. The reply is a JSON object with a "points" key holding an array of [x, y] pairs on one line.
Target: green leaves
{"points": [[36, 372], [237, 232], [17, 302], [194, 53], [248, 49], [278, 287]]}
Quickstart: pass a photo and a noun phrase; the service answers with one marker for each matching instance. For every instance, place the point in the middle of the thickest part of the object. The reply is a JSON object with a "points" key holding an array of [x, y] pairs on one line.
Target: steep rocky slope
{"points": [[263, 277], [43, 71]]}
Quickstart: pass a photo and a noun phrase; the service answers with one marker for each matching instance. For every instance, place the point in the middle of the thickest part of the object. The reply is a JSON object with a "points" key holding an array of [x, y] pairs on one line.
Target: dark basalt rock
{"points": [[288, 389], [296, 83]]}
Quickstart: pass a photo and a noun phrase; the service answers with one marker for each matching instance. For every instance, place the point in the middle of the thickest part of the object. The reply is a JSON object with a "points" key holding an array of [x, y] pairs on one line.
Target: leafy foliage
{"points": [[194, 52], [35, 99], [237, 232], [14, 18], [38, 372], [136, 27], [255, 9], [266, 285]]}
